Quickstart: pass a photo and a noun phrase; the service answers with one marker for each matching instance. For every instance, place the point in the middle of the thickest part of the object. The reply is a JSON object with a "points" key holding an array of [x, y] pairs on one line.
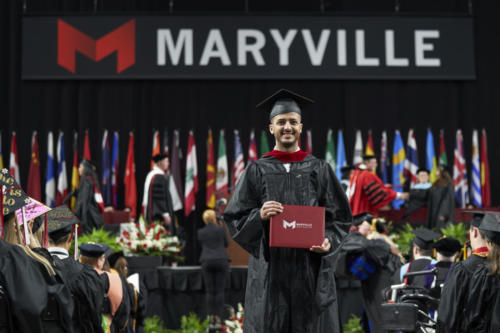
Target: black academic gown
{"points": [[87, 209], [121, 318], [288, 290], [451, 311], [88, 290], [160, 202], [418, 199], [385, 264], [416, 265], [30, 289], [441, 202]]}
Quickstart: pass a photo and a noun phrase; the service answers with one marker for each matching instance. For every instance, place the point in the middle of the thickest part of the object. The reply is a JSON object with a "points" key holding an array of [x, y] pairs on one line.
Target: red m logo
{"points": [[121, 40]]}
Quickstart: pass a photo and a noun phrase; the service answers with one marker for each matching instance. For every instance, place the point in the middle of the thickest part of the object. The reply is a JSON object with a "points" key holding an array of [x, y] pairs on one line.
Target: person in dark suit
{"points": [[214, 263]]}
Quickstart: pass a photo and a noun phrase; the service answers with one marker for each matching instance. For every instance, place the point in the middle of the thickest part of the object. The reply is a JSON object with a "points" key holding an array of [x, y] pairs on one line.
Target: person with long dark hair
{"points": [[89, 203], [441, 201]]}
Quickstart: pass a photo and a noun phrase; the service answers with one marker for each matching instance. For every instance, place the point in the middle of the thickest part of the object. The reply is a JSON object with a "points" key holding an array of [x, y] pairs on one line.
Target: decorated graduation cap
{"points": [[490, 225], [12, 197], [60, 221], [158, 157], [477, 217], [284, 101], [424, 238], [361, 217], [447, 246], [113, 257], [94, 250]]}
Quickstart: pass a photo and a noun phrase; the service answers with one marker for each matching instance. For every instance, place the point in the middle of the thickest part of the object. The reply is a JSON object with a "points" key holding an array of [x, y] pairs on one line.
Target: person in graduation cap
{"points": [[87, 287], [441, 199], [285, 290], [453, 296], [33, 295], [346, 175], [367, 192], [422, 252], [447, 250], [89, 202], [373, 262], [156, 201], [117, 305], [418, 195]]}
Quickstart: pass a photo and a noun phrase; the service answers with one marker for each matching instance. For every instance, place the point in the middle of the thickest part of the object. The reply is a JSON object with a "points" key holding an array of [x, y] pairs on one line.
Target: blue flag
{"points": [[430, 154], [398, 165], [114, 170], [106, 170], [341, 158], [50, 181]]}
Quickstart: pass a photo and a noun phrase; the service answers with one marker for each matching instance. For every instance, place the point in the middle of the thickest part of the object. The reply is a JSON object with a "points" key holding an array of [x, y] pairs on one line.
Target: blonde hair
{"points": [[494, 259], [14, 235], [92, 261]]}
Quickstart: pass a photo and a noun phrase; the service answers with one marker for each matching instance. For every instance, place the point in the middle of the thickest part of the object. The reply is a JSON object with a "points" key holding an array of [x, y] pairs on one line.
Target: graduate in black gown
{"points": [[34, 297], [89, 202], [447, 250], [288, 289], [87, 287], [451, 311], [482, 311]]}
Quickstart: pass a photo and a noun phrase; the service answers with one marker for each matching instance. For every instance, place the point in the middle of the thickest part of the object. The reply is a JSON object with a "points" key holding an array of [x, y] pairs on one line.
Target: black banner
{"points": [[247, 47]]}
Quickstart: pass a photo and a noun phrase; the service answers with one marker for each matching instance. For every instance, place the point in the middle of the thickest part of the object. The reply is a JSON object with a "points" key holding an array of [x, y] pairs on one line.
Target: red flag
{"points": [[34, 187], [309, 143], [156, 147], [191, 183], [129, 179], [485, 172], [14, 160], [210, 184], [86, 147], [369, 144], [252, 149], [75, 176], [443, 158]]}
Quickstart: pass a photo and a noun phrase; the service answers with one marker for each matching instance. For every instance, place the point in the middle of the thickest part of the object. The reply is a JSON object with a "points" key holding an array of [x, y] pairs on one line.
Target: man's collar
{"points": [[287, 157]]}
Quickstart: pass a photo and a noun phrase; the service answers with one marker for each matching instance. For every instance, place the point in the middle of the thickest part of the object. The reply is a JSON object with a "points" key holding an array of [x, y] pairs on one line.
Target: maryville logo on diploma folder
{"points": [[297, 227]]}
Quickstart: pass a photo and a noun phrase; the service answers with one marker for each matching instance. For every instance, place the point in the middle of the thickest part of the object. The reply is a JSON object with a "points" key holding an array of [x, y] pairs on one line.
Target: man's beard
{"points": [[288, 144]]}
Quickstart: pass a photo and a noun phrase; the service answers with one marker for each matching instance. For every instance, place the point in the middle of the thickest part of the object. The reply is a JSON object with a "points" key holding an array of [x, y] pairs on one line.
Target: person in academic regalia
{"points": [[346, 175], [373, 262], [422, 251], [418, 195], [367, 192], [288, 289], [451, 311], [89, 202], [34, 298], [156, 202], [482, 306], [87, 287], [441, 200], [117, 304]]}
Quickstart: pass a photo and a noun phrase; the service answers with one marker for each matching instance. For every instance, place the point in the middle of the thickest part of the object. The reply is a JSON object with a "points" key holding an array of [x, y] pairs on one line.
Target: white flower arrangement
{"points": [[235, 324]]}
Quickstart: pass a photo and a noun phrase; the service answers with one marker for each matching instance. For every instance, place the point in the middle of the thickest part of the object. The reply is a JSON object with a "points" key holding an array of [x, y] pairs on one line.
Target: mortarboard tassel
{"points": [[45, 234], [25, 226], [1, 211]]}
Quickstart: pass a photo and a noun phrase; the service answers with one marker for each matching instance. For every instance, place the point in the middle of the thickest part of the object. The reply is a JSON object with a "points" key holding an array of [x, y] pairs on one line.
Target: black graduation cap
{"points": [[89, 164], [424, 238], [14, 197], [92, 249], [60, 222], [113, 257], [361, 217], [158, 157], [490, 225], [346, 168], [477, 217], [284, 101], [447, 246]]}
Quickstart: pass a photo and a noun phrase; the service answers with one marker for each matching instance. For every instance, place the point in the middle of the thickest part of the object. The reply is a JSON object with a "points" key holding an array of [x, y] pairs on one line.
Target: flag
{"points": [[476, 171], [106, 170], [210, 184], [430, 157], [62, 177], [330, 149], [221, 180], [50, 182], [358, 149], [165, 142], [34, 188], [14, 159], [114, 170], [443, 158], [485, 172], [156, 147], [75, 176], [369, 145], [252, 148], [175, 181], [239, 161], [129, 179], [411, 162], [341, 158], [191, 176], [384, 160], [86, 147], [264, 145], [398, 162], [309, 143], [1, 155], [460, 172]]}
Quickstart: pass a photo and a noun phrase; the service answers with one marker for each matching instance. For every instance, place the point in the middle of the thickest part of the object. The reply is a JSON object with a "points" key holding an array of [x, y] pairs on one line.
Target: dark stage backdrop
{"points": [[142, 106]]}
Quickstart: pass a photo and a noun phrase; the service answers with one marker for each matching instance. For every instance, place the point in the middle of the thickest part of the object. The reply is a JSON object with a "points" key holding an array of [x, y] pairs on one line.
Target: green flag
{"points": [[264, 146], [330, 149]]}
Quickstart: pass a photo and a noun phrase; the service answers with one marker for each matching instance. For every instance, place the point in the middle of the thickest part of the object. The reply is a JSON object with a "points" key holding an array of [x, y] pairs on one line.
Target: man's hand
{"points": [[323, 248], [167, 220], [270, 208]]}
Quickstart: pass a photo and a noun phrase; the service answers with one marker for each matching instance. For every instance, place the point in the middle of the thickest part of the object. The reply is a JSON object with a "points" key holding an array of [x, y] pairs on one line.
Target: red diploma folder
{"points": [[297, 227]]}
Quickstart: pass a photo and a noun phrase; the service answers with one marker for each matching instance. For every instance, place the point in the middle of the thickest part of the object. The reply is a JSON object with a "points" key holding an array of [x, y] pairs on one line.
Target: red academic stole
{"points": [[97, 195], [481, 252], [286, 157]]}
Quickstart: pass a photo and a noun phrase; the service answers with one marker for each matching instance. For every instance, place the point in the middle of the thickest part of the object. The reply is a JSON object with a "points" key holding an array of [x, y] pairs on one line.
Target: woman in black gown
{"points": [[89, 203], [441, 200]]}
